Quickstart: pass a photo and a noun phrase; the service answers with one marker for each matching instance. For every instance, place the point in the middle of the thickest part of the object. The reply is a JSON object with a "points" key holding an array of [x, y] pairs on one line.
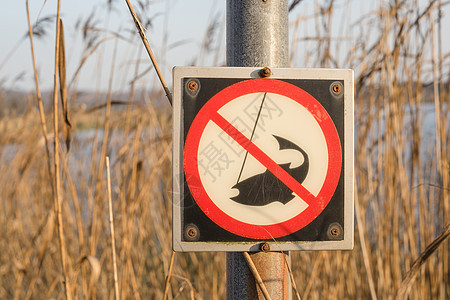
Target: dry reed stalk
{"points": [[219, 46], [209, 35], [84, 59], [408, 281], [135, 201], [362, 240], [91, 203], [443, 167], [294, 41], [38, 94], [10, 54], [169, 274], [47, 146], [48, 236], [63, 86], [313, 274], [141, 32], [191, 288], [79, 221], [131, 94], [421, 193], [99, 185], [96, 185], [57, 196], [391, 271], [292, 278], [134, 283], [165, 33], [255, 273], [111, 227], [127, 242], [95, 267]]}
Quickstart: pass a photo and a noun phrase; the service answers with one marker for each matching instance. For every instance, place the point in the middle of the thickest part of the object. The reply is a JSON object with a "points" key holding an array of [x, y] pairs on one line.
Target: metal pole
{"points": [[257, 36]]}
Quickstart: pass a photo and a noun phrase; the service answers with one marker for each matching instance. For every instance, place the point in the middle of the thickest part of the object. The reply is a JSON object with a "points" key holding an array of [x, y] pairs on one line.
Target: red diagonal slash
{"points": [[264, 159]]}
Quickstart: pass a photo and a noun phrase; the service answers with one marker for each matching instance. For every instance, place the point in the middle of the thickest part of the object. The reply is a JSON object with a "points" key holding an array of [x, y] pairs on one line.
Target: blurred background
{"points": [[113, 106]]}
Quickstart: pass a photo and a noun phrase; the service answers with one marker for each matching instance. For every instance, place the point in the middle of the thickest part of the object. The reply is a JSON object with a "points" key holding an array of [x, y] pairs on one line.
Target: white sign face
{"points": [[261, 159], [265, 119]]}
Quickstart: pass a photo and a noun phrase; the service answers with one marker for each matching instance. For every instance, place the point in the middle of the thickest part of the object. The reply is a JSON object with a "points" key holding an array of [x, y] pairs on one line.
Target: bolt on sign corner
{"points": [[262, 160]]}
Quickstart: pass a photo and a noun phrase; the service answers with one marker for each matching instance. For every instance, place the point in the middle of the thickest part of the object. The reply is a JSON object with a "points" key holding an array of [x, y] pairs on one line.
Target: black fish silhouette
{"points": [[266, 188]]}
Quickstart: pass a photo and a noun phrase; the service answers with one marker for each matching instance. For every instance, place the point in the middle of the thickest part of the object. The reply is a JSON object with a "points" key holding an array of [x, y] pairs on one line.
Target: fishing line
{"points": [[251, 137]]}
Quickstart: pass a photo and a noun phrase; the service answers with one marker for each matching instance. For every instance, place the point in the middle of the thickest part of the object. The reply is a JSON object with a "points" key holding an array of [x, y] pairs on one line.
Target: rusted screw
{"points": [[193, 85], [192, 232], [265, 247], [335, 231], [265, 72], [336, 88]]}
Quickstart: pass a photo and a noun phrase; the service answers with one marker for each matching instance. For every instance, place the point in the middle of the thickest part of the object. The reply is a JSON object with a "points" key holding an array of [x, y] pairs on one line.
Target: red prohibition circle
{"points": [[191, 167]]}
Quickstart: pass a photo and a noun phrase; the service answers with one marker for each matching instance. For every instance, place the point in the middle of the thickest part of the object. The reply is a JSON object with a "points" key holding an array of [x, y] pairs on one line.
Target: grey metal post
{"points": [[257, 36]]}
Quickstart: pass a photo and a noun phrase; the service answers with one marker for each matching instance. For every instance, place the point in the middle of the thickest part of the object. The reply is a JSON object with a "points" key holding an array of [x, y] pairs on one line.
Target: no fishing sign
{"points": [[262, 160]]}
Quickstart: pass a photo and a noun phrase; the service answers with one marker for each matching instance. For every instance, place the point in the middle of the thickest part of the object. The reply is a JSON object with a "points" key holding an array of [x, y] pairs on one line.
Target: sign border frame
{"points": [[346, 75]]}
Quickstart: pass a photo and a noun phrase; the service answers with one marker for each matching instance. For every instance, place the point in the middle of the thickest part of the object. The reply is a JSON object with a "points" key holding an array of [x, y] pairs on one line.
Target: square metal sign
{"points": [[262, 157]]}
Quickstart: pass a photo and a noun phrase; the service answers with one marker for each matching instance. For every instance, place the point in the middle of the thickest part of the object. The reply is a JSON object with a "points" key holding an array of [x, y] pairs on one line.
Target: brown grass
{"points": [[402, 177]]}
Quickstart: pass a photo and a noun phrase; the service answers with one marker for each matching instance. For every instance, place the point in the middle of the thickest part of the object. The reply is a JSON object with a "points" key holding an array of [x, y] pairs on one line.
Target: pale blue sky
{"points": [[184, 21]]}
